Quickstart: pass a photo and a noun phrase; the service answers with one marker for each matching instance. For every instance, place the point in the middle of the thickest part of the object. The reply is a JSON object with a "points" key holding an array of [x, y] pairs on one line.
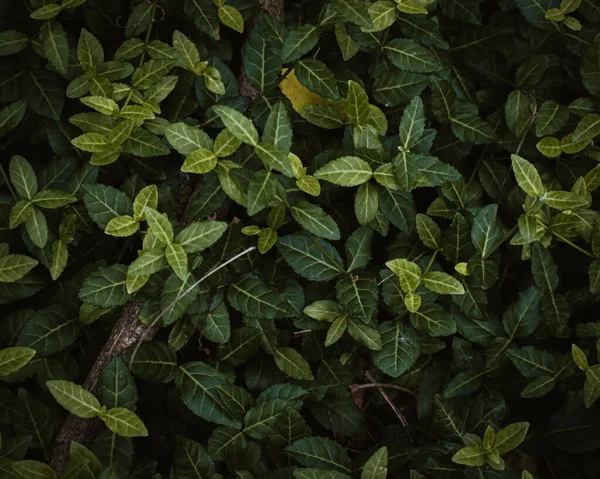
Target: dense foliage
{"points": [[364, 239]]}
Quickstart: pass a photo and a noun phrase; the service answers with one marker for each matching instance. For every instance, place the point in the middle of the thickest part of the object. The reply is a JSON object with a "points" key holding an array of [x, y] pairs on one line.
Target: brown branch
{"points": [[397, 411], [126, 332], [356, 387]]}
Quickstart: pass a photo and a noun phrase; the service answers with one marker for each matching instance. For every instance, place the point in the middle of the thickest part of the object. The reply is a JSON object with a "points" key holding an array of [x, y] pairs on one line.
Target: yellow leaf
{"points": [[297, 93]]}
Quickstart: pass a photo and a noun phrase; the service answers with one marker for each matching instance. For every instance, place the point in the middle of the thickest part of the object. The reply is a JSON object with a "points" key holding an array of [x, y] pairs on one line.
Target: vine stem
{"points": [[7, 181], [573, 245], [382, 385], [183, 295], [146, 41]]}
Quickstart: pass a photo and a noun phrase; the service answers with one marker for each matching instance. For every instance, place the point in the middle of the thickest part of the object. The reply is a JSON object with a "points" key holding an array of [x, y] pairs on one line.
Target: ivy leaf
{"points": [[400, 348], [527, 176], [155, 362], [316, 261], [511, 437], [12, 41], [11, 116], [23, 177], [355, 12], [358, 295], [564, 200], [186, 139], [105, 202], [231, 17], [255, 298], [261, 191], [470, 456], [200, 235], [74, 398], [124, 422], [33, 469], [357, 104], [239, 126], [408, 272], [412, 124], [485, 234], [105, 287], [89, 50]]}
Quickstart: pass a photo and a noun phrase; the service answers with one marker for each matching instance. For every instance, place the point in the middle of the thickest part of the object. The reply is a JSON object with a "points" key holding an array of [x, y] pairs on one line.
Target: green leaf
{"points": [[124, 422], [261, 65], [200, 235], [354, 11], [345, 171], [549, 147], [155, 362], [204, 15], [409, 56], [199, 161], [315, 220], [517, 112], [13, 267], [299, 42], [314, 451], [105, 287], [485, 234], [527, 176], [470, 456], [11, 116], [89, 50], [564, 200], [348, 46], [358, 295], [12, 41], [400, 348], [159, 225], [587, 129], [151, 72], [376, 466], [472, 129], [13, 359], [55, 45], [357, 104], [550, 118], [23, 177], [255, 298], [433, 319], [336, 330], [366, 203], [148, 262], [323, 116], [316, 261], [116, 386], [186, 139], [105, 202], [52, 199], [147, 197], [231, 17], [429, 232], [315, 76], [408, 273], [196, 383], [412, 124], [278, 129], [511, 437], [177, 259], [261, 191], [74, 398], [293, 364], [37, 228], [32, 469], [239, 126], [324, 310], [442, 283]]}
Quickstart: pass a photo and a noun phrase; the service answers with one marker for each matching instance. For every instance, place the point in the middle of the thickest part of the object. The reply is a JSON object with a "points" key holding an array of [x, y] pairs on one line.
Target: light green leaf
{"points": [[240, 126], [91, 142], [470, 456], [11, 116], [412, 123], [324, 310], [408, 273], [376, 466], [124, 422], [30, 469], [357, 104], [159, 225], [147, 197], [549, 147], [55, 45], [511, 437], [564, 200], [74, 398], [345, 171], [14, 358], [185, 138], [323, 116], [527, 176], [429, 232], [23, 177], [278, 129], [177, 259], [550, 118], [199, 161], [442, 283], [37, 228], [231, 17], [13, 267], [366, 203], [587, 129], [200, 235], [261, 191], [122, 226], [336, 330], [50, 198]]}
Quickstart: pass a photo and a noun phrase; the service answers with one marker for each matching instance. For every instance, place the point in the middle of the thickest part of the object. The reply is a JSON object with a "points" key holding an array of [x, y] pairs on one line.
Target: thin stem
{"points": [[433, 256], [383, 385], [397, 411], [146, 41], [573, 245], [184, 294], [7, 181], [501, 242]]}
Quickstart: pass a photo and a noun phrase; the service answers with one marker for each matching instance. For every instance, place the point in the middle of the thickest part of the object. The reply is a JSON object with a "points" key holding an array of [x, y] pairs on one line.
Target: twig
{"points": [[354, 387], [183, 295], [397, 411]]}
